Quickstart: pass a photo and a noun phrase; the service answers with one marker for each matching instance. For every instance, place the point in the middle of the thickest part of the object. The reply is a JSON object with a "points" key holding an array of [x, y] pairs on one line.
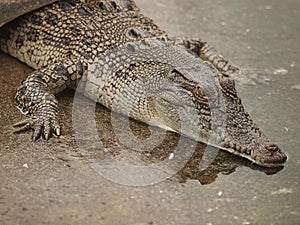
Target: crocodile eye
{"points": [[177, 76], [228, 86]]}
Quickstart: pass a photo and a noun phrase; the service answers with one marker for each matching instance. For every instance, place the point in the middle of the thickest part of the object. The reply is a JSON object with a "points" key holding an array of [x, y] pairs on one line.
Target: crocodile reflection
{"points": [[224, 163]]}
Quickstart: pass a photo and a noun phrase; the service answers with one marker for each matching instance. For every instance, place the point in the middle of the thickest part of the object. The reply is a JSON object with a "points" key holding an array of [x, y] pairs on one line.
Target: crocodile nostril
{"points": [[271, 147]]}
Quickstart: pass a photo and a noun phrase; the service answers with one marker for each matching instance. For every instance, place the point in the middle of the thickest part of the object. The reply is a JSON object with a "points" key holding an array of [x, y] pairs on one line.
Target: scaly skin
{"points": [[151, 74]]}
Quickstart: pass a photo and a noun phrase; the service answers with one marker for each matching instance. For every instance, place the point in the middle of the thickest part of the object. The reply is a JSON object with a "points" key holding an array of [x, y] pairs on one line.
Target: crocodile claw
{"points": [[43, 126], [23, 125]]}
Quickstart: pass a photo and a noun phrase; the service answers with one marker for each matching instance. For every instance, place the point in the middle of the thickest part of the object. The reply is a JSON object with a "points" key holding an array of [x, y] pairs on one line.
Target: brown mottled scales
{"points": [[150, 73]]}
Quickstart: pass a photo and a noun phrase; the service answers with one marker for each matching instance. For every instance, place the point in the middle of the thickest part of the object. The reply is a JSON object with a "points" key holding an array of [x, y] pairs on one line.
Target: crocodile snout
{"points": [[270, 154]]}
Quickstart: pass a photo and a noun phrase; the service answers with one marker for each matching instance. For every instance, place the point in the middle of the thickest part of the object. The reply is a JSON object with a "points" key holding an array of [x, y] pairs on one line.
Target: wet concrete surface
{"points": [[55, 183]]}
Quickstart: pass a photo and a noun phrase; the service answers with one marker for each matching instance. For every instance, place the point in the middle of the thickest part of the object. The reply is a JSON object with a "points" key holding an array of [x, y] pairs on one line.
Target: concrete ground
{"points": [[55, 183]]}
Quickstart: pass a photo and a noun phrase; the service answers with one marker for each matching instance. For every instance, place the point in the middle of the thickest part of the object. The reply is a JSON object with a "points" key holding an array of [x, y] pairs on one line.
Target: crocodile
{"points": [[112, 53]]}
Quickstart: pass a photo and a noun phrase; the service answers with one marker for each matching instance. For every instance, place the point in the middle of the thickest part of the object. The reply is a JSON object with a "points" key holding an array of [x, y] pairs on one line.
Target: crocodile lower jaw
{"points": [[248, 157]]}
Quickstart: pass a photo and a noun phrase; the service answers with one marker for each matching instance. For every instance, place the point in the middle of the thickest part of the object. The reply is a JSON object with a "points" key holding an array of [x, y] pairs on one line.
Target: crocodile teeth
{"points": [[238, 147], [243, 149], [232, 145], [235, 146], [225, 143]]}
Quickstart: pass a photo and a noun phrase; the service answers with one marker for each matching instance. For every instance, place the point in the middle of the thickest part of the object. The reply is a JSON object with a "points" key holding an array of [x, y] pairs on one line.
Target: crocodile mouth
{"points": [[266, 154]]}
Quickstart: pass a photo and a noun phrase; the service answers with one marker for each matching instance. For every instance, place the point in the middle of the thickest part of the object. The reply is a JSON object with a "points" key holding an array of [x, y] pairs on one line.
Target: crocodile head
{"points": [[170, 88], [212, 112]]}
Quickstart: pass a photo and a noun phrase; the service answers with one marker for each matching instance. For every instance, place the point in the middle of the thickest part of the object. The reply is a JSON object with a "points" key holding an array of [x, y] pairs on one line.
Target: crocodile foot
{"points": [[45, 124]]}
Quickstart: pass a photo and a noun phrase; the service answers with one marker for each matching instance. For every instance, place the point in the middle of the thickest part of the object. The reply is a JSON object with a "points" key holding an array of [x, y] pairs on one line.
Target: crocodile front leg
{"points": [[207, 53], [36, 97]]}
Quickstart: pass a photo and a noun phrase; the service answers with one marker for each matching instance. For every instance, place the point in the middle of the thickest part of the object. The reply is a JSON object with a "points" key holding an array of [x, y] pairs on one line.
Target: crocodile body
{"points": [[123, 60]]}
